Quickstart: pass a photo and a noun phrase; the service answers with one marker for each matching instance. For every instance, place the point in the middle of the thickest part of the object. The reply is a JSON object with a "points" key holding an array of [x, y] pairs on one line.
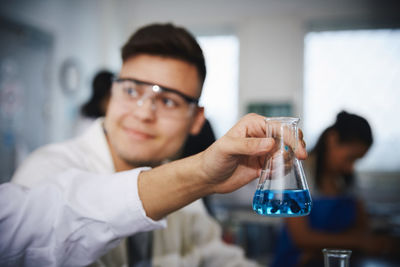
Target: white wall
{"points": [[271, 35], [78, 29], [271, 61], [270, 32]]}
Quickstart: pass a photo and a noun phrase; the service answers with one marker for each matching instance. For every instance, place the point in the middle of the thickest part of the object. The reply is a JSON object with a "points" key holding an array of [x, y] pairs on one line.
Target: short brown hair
{"points": [[166, 40]]}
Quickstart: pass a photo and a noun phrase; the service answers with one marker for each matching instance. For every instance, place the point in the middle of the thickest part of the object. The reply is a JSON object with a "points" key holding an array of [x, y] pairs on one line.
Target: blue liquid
{"points": [[282, 203]]}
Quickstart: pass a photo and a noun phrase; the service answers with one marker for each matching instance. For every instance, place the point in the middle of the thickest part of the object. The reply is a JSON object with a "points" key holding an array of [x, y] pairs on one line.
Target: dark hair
{"points": [[166, 40], [101, 89], [197, 143], [349, 128]]}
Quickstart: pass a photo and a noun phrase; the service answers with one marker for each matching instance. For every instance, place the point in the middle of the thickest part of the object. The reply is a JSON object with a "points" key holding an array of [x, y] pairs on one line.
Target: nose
{"points": [[145, 108]]}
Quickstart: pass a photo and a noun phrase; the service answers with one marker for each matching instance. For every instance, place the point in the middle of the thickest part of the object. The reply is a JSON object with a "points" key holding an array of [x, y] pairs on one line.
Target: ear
{"points": [[198, 121]]}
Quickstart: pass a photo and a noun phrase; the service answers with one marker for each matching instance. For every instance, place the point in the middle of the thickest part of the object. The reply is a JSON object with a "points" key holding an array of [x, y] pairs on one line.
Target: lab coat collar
{"points": [[95, 144]]}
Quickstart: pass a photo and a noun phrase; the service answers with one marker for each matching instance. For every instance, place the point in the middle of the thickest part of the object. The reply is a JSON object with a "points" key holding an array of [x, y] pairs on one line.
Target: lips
{"points": [[138, 134]]}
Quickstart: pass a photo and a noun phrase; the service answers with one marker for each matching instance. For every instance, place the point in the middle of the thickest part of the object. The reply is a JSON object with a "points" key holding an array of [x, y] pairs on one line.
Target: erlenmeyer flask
{"points": [[282, 189]]}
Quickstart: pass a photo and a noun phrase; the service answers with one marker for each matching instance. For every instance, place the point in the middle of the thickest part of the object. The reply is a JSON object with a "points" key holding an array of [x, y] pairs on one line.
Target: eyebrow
{"points": [[163, 88]]}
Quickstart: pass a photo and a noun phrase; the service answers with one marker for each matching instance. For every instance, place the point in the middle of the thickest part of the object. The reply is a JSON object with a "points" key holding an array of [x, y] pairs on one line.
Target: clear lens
{"points": [[165, 104]]}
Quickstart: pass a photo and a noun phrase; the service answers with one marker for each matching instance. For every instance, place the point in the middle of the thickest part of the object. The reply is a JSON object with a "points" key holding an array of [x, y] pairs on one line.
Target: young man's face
{"points": [[144, 135]]}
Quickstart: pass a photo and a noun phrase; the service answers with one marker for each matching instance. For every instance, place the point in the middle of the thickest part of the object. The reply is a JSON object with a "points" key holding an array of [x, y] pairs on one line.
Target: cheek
{"points": [[343, 163], [173, 133], [114, 113], [336, 159]]}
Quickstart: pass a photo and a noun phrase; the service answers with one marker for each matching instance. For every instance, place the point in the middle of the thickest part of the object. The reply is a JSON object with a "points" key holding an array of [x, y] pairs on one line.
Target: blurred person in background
{"points": [[96, 106], [152, 110], [338, 219]]}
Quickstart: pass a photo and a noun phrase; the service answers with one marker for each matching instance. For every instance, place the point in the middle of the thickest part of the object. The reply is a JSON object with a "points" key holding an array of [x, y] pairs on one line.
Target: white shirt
{"points": [[70, 221]]}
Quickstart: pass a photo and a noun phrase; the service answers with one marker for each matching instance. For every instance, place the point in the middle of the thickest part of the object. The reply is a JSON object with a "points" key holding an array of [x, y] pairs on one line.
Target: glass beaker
{"points": [[282, 189], [336, 257]]}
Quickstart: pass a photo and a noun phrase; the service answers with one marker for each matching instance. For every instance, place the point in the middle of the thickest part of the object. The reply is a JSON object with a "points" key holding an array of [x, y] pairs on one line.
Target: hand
{"points": [[238, 157], [228, 164]]}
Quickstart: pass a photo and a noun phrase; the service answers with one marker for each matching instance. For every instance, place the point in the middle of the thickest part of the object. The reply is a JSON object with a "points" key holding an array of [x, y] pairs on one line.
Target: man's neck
{"points": [[123, 165], [119, 164]]}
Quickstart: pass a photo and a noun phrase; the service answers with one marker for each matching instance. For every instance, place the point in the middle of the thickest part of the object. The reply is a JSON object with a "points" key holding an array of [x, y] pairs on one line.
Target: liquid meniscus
{"points": [[282, 203]]}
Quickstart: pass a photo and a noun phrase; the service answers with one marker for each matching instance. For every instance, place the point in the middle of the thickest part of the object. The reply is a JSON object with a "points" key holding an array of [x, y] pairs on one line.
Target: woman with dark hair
{"points": [[101, 91], [96, 106], [337, 219], [337, 149]]}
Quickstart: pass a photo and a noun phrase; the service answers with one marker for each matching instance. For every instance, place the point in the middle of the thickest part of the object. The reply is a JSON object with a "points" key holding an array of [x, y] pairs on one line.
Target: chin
{"points": [[144, 154], [140, 160]]}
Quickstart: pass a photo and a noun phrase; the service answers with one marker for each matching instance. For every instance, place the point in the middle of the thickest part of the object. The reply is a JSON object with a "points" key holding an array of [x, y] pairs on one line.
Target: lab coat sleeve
{"points": [[71, 221]]}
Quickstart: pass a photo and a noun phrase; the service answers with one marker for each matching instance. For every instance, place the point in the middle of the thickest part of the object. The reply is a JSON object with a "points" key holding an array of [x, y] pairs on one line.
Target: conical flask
{"points": [[282, 189]]}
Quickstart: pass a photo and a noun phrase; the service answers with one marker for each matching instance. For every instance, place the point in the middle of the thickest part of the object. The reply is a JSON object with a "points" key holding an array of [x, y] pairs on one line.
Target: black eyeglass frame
{"points": [[187, 98]]}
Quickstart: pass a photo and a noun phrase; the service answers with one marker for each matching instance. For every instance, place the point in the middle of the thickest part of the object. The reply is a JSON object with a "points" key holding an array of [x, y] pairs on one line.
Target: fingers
{"points": [[279, 164], [256, 146], [300, 134], [247, 137], [286, 137], [248, 146], [251, 125], [301, 140], [301, 152]]}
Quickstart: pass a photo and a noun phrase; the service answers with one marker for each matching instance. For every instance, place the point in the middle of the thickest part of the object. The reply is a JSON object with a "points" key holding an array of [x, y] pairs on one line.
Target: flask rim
{"points": [[337, 252], [282, 119]]}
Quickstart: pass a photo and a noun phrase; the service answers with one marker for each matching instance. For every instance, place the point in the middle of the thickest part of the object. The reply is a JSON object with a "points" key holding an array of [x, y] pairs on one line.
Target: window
{"points": [[220, 91], [358, 71]]}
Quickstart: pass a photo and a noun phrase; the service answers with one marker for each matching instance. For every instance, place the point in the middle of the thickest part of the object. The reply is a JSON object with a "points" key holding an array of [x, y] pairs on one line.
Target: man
{"points": [[152, 110]]}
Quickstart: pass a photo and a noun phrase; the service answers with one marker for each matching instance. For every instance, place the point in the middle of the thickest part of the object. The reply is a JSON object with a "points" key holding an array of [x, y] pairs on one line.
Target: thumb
{"points": [[250, 146]]}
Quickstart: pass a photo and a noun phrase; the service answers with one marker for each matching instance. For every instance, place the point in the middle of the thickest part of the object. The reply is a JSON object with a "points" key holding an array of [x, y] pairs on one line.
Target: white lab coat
{"points": [[70, 221], [192, 237]]}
